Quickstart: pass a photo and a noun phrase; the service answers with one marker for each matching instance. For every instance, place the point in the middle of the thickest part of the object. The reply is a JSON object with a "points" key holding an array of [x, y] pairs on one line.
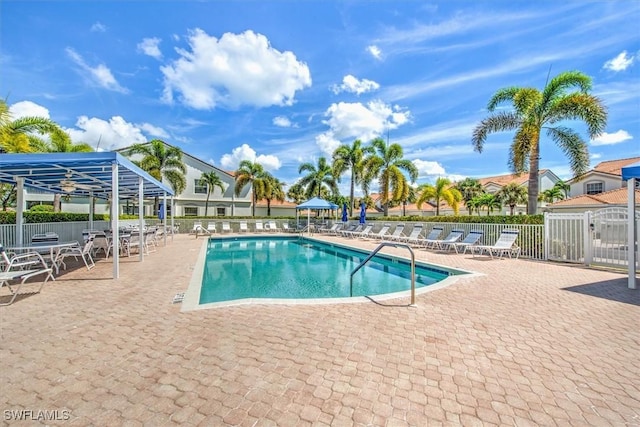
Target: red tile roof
{"points": [[613, 197], [614, 167]]}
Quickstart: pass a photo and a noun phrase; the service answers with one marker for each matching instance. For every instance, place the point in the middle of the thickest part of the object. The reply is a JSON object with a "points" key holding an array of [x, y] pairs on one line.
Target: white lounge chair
{"points": [[272, 226], [243, 227], [226, 227], [20, 268], [414, 236], [286, 228], [506, 244], [433, 235], [397, 233], [211, 227], [452, 237], [259, 227], [468, 242], [83, 252], [381, 233]]}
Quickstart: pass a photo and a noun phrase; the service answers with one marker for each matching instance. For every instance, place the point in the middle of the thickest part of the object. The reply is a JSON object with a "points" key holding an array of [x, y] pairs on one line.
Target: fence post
{"points": [[547, 234], [588, 238]]}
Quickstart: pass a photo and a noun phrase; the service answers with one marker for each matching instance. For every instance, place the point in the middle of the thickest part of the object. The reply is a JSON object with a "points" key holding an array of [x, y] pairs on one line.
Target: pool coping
{"points": [[191, 299]]}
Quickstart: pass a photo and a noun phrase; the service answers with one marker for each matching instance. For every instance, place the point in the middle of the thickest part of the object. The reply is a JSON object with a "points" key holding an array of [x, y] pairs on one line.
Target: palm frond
{"points": [[498, 122], [573, 146]]}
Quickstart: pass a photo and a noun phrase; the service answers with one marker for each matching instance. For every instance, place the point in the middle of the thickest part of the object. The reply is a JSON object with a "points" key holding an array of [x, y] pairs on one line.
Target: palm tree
{"points": [[163, 162], [250, 173], [442, 190], [565, 187], [19, 136], [512, 194], [469, 188], [274, 191], [386, 163], [411, 197], [296, 193], [474, 205], [211, 180], [490, 201], [319, 176], [551, 195], [534, 111], [350, 158]]}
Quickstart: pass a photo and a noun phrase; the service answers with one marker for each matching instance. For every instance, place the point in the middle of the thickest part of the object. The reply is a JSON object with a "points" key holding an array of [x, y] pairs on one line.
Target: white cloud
{"points": [[106, 135], [150, 46], [356, 120], [595, 156], [99, 27], [154, 131], [282, 121], [427, 168], [100, 75], [27, 109], [234, 70], [245, 152], [620, 62], [611, 138], [353, 85], [375, 51]]}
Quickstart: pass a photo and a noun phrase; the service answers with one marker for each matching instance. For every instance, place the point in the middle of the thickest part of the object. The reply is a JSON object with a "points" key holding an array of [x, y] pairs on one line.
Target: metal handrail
{"points": [[375, 251]]}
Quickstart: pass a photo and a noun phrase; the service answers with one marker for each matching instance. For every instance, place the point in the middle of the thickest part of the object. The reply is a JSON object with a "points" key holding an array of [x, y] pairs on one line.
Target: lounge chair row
{"points": [[258, 227], [456, 240]]}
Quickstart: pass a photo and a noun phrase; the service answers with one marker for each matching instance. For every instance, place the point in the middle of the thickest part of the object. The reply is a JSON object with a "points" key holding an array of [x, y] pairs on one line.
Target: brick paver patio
{"points": [[526, 343]]}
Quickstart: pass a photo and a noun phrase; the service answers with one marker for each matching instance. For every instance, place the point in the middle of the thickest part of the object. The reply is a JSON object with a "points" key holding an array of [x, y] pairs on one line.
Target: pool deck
{"points": [[523, 343]]}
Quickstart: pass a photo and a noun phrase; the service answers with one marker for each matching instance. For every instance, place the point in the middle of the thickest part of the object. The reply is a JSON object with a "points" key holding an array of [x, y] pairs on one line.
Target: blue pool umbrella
{"points": [[363, 213], [344, 213]]}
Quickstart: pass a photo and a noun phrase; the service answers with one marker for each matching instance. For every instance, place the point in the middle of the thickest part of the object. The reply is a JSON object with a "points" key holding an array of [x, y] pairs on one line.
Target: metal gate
{"points": [[566, 236], [610, 246]]}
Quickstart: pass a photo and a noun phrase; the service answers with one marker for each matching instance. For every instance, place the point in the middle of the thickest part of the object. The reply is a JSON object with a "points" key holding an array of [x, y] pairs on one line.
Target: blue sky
{"points": [[285, 82]]}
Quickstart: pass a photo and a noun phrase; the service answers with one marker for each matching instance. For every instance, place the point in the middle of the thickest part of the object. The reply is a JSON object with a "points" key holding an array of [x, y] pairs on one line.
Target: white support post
{"points": [[547, 234], [19, 211], [115, 224], [164, 216], [632, 232], [141, 218], [173, 228], [91, 210]]}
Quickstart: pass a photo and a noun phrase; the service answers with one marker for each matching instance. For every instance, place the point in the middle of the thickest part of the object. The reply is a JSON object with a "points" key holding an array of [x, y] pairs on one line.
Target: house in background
{"points": [[601, 187]]}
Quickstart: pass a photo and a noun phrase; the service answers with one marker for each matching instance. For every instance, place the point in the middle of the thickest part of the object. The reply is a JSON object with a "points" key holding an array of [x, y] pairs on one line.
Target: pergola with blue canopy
{"points": [[106, 175], [631, 174], [315, 203]]}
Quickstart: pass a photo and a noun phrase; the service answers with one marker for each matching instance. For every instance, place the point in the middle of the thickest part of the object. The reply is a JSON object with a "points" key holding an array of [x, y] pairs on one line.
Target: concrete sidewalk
{"points": [[526, 343]]}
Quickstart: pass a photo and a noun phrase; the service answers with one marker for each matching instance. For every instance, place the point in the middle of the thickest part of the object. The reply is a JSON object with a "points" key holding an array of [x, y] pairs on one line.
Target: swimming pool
{"points": [[287, 269]]}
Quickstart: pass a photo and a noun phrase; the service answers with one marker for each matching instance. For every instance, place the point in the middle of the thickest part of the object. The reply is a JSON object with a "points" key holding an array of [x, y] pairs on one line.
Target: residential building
{"points": [[605, 176], [592, 202]]}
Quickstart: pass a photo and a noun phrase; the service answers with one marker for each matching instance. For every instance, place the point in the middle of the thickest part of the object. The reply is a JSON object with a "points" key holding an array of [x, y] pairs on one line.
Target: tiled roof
{"points": [[614, 167], [503, 180], [613, 197], [277, 204]]}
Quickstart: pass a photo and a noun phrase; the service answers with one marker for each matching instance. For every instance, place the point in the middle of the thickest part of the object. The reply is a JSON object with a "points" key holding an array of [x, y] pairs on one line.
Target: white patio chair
{"points": [[433, 235], [468, 242], [211, 227], [259, 227], [413, 237], [226, 227], [243, 227], [381, 233], [272, 226], [20, 268], [397, 233], [452, 237]]}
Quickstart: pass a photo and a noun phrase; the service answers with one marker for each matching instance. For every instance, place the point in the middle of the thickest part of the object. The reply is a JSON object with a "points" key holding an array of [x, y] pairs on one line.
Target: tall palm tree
{"points": [[511, 195], [319, 176], [551, 195], [411, 197], [350, 158], [211, 180], [534, 111], [250, 173], [274, 191], [386, 163], [296, 193], [163, 162], [442, 190], [469, 188]]}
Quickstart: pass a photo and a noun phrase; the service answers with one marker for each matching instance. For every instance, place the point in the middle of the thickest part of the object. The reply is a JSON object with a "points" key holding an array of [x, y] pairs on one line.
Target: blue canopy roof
{"points": [[631, 171], [317, 203], [79, 174]]}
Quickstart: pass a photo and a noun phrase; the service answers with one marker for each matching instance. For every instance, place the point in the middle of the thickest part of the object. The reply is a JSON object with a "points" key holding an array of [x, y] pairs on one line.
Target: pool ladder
{"points": [[375, 251]]}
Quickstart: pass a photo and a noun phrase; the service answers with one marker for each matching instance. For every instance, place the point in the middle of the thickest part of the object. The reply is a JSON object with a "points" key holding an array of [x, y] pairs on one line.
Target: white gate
{"points": [[610, 246], [566, 236]]}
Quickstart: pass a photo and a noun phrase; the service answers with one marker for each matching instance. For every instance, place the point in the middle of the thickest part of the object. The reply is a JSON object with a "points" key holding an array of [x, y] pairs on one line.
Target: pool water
{"points": [[298, 268]]}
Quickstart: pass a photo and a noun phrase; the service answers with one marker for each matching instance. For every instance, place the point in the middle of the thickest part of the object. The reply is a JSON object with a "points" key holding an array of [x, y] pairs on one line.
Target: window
{"points": [[221, 211], [190, 211], [595, 187], [199, 188]]}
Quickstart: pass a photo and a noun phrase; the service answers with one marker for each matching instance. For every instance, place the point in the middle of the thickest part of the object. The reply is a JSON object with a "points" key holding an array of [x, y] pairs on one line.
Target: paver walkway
{"points": [[527, 343]]}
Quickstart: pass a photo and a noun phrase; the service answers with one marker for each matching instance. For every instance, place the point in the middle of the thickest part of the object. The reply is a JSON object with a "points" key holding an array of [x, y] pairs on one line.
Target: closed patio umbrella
{"points": [[363, 213], [344, 212]]}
